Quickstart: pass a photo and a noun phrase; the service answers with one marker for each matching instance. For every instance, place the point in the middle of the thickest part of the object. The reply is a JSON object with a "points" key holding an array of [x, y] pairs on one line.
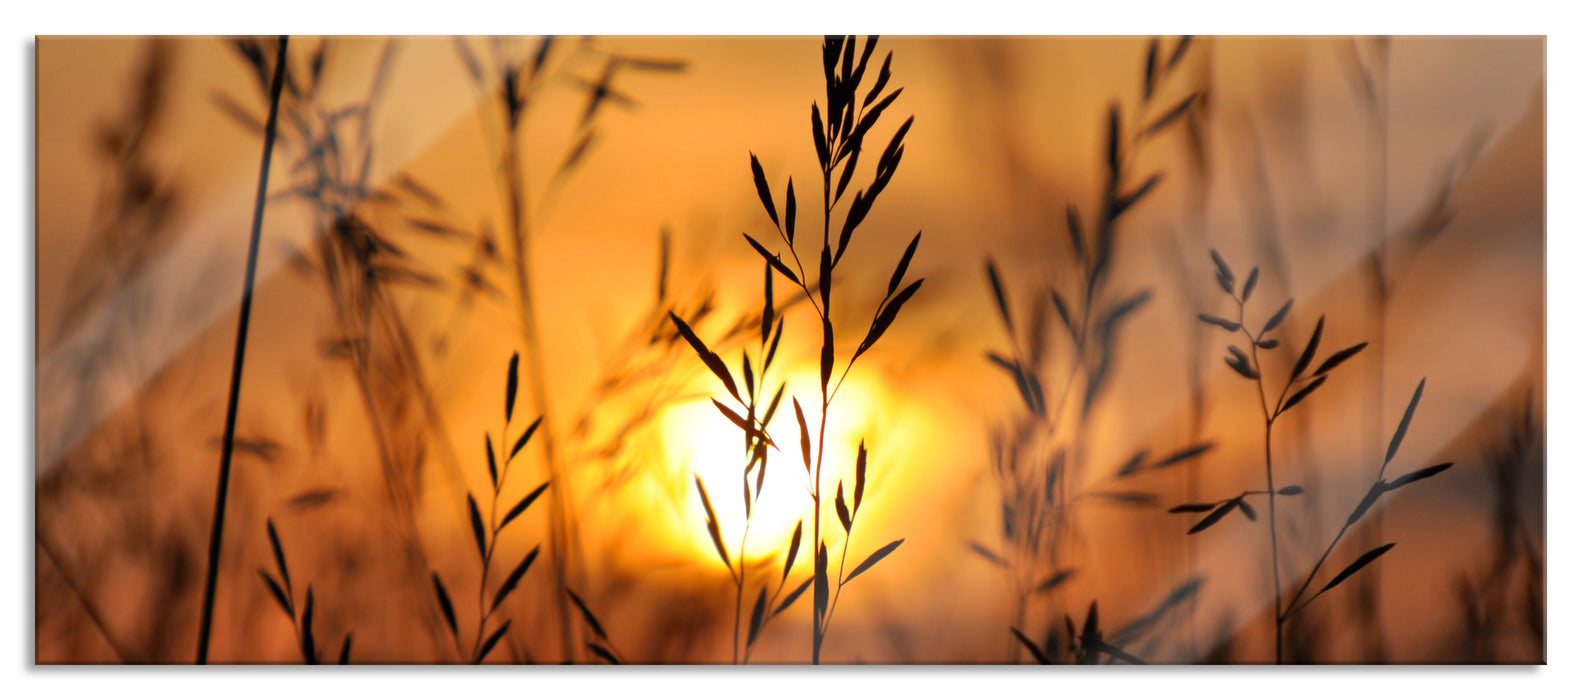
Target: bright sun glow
{"points": [[700, 440]]}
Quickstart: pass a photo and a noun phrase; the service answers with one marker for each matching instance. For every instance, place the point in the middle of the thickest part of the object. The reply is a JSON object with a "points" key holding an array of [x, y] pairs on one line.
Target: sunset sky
{"points": [[1297, 172]]}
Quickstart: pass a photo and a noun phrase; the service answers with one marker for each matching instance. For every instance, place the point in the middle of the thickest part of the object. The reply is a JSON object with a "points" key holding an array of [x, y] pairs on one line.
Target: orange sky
{"points": [[1007, 133]]}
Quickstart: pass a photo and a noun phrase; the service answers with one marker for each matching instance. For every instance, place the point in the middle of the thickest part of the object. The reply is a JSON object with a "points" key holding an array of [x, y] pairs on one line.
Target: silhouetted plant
{"points": [[756, 445], [1297, 387], [217, 529], [285, 595], [1034, 461], [511, 88], [361, 265], [602, 646], [486, 534], [1092, 647], [838, 135]]}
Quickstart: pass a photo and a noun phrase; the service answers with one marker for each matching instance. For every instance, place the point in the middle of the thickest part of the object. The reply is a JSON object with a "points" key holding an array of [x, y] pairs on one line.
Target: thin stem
{"points": [[818, 472], [560, 535], [768, 614], [494, 538], [818, 467], [840, 583], [1320, 563], [1274, 543], [1268, 473], [228, 443], [736, 627]]}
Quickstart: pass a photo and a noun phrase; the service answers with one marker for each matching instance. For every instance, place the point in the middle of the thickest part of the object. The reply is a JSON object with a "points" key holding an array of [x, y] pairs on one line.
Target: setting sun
{"points": [[700, 440]]}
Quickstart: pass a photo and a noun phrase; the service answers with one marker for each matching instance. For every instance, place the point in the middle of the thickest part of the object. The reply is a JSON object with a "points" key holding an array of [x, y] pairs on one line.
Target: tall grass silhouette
{"points": [[510, 88], [839, 131], [217, 532], [1294, 389], [361, 265], [486, 532], [1039, 461], [756, 445], [284, 594]]}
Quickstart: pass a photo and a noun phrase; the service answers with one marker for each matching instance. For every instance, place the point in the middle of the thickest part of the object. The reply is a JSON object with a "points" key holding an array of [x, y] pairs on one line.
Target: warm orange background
{"points": [[1008, 131]]}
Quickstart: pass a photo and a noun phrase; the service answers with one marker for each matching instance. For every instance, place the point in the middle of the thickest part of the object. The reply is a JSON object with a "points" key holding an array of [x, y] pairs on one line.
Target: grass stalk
{"points": [[561, 537], [838, 135], [1268, 473], [228, 443], [1247, 363]]}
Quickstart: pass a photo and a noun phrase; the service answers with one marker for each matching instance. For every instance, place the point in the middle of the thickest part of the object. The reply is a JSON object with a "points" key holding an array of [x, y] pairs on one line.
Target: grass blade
{"points": [[280, 553], [762, 183], [1252, 283], [757, 621], [807, 445], [773, 260], [1038, 654], [587, 615], [513, 579], [1274, 321], [1406, 420], [309, 649], [489, 644], [986, 553], [477, 526], [711, 360], [1226, 324], [1182, 455], [1339, 357], [528, 435], [510, 388], [1302, 394], [790, 210], [900, 268], [522, 505], [278, 593], [862, 476], [840, 506], [743, 424], [1054, 581], [999, 296], [1214, 517], [874, 559], [1311, 350], [494, 473], [1418, 475], [714, 525], [796, 544], [795, 594], [1356, 566], [445, 605], [603, 653], [1227, 279]]}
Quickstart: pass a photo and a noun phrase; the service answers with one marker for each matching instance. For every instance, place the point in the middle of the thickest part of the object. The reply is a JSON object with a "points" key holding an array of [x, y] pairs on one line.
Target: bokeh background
{"points": [[1303, 156]]}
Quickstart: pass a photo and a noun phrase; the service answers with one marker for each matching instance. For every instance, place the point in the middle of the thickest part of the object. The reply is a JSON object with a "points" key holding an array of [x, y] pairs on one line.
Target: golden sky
{"points": [[1302, 174]]}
